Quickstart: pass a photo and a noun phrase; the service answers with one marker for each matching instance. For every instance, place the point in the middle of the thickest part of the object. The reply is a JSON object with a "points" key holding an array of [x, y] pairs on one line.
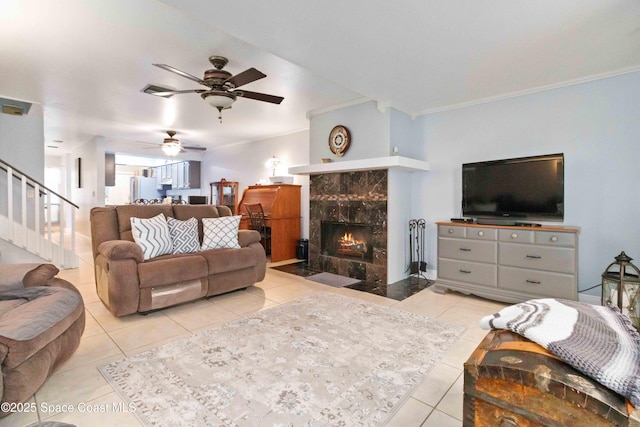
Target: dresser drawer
{"points": [[468, 250], [555, 239], [451, 231], [542, 283], [515, 235], [559, 260], [482, 233], [467, 271]]}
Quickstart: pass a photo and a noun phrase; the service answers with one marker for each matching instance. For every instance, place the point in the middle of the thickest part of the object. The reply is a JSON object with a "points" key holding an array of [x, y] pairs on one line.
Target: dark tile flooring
{"points": [[398, 290]]}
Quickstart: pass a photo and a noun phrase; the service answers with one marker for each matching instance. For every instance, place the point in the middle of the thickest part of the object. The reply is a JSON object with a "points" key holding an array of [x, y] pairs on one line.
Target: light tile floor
{"points": [[79, 385]]}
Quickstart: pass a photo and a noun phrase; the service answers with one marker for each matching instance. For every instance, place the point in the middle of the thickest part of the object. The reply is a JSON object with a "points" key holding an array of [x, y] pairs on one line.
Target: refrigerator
{"points": [[144, 188]]}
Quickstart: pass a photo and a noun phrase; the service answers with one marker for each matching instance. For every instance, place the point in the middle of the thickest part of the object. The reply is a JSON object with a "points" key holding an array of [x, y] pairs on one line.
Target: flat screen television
{"points": [[512, 190]]}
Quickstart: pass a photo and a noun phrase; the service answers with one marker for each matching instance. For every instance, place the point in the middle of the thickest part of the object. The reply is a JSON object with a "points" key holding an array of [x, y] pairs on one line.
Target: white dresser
{"points": [[510, 264]]}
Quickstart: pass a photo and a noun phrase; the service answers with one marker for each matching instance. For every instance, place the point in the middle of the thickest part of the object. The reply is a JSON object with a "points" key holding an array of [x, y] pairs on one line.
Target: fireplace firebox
{"points": [[346, 240]]}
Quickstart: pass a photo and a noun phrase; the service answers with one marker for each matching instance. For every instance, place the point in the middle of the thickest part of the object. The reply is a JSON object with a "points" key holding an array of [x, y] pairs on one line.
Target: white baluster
{"points": [[10, 202]]}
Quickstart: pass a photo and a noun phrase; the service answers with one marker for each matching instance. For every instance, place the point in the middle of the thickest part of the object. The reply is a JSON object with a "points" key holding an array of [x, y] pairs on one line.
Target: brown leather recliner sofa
{"points": [[41, 321], [126, 283]]}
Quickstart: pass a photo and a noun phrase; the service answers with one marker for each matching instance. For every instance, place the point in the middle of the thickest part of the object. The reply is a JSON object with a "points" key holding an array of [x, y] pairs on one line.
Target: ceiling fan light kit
{"points": [[171, 146], [171, 149], [219, 100], [222, 85]]}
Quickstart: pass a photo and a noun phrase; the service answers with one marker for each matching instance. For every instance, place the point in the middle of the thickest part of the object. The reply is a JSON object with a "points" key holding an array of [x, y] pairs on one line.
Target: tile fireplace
{"points": [[348, 224]]}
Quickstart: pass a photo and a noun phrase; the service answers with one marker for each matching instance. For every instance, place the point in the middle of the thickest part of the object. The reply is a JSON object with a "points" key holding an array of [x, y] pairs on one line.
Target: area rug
{"points": [[321, 360], [334, 280]]}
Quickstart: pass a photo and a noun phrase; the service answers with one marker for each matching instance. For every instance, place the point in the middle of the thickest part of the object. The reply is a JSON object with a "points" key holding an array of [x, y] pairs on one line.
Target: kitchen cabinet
{"points": [[190, 174], [180, 175], [174, 175]]}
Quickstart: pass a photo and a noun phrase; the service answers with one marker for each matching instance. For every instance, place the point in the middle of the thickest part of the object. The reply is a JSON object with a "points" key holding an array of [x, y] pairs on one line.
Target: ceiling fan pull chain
{"points": [[220, 114]]}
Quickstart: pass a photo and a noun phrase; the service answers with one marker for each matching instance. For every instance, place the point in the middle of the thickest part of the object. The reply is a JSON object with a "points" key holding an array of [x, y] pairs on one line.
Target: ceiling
{"points": [[86, 61]]}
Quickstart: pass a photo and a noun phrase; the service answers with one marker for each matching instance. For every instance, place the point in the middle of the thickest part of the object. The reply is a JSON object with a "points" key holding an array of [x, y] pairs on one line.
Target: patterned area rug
{"points": [[321, 360]]}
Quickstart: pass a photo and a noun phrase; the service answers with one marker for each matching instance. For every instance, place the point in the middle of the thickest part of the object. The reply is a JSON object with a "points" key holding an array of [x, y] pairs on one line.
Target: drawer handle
{"points": [[534, 256], [465, 249], [533, 282], [514, 235], [465, 271], [450, 231], [554, 238], [480, 233]]}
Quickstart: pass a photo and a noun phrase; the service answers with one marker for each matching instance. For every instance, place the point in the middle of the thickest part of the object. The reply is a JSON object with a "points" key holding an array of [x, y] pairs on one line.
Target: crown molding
{"points": [[566, 83], [340, 106]]}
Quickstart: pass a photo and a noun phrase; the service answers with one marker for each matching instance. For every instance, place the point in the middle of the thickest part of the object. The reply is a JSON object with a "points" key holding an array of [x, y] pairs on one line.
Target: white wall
{"points": [[92, 192], [597, 127], [369, 130], [22, 146], [245, 163], [403, 135], [22, 142], [399, 214]]}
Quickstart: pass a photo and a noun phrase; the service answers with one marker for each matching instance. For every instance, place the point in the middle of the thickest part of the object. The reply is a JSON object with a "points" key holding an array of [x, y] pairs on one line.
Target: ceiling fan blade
{"points": [[180, 73], [247, 76], [177, 92], [153, 144], [194, 148], [259, 96]]}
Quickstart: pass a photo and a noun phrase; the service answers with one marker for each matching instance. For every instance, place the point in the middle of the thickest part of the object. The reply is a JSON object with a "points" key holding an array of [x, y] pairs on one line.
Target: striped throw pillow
{"points": [[221, 232], [152, 235], [184, 235]]}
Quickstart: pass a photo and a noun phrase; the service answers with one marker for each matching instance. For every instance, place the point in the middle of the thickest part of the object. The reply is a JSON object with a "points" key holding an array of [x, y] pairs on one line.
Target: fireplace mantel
{"points": [[391, 162]]}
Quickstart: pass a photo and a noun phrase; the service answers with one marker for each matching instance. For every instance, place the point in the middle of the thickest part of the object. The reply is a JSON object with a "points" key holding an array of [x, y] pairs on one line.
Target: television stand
{"points": [[508, 263]]}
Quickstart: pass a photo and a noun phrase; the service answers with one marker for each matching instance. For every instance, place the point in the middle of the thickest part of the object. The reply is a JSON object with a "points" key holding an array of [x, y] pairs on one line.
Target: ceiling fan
{"points": [[172, 146], [222, 85]]}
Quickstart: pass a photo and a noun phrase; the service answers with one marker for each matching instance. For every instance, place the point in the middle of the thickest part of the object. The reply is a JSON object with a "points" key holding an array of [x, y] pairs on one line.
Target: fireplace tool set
{"points": [[417, 263]]}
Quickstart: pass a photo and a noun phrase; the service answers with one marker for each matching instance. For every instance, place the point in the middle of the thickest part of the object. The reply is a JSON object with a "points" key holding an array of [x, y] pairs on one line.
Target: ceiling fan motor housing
{"points": [[215, 77]]}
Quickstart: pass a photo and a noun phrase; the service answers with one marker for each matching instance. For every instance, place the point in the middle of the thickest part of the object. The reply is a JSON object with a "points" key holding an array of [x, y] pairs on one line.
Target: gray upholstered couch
{"points": [[41, 322], [126, 283]]}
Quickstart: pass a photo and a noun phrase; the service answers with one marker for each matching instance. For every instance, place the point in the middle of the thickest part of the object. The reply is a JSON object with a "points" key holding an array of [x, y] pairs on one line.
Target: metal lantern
{"points": [[621, 287]]}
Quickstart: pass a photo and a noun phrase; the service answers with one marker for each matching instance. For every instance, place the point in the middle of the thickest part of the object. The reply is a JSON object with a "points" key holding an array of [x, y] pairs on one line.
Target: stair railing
{"points": [[31, 226]]}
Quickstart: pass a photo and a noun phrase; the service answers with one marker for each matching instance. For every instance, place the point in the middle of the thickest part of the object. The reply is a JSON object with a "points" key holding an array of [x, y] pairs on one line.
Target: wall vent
{"points": [[14, 108]]}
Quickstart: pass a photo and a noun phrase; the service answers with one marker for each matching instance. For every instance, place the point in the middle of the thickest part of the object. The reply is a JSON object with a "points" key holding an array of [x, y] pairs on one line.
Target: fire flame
{"points": [[347, 240]]}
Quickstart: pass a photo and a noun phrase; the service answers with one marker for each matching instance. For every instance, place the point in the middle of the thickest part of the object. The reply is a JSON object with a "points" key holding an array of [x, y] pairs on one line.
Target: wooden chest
{"points": [[510, 381]]}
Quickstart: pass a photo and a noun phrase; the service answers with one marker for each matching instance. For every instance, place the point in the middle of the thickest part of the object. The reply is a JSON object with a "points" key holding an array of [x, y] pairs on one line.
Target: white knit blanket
{"points": [[598, 341]]}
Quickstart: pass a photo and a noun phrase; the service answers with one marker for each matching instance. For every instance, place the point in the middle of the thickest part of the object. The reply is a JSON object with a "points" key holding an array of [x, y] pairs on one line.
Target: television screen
{"points": [[197, 200], [524, 188]]}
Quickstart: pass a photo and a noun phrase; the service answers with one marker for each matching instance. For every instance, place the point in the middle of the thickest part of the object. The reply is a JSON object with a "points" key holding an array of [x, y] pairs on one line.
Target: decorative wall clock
{"points": [[339, 140]]}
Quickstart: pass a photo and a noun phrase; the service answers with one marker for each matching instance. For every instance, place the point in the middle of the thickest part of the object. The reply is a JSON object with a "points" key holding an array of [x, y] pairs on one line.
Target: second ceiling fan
{"points": [[222, 85]]}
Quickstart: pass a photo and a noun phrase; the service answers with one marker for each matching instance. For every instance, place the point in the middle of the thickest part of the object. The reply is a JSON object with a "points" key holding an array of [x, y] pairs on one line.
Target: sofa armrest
{"points": [[16, 276], [121, 249], [247, 237]]}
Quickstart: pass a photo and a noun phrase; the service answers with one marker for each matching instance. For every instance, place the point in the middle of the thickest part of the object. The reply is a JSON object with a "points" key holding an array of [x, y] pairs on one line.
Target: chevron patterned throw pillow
{"points": [[221, 232], [184, 235], [152, 235]]}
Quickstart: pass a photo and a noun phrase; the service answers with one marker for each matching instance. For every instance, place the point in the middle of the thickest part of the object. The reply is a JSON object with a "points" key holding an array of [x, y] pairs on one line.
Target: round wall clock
{"points": [[339, 140]]}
